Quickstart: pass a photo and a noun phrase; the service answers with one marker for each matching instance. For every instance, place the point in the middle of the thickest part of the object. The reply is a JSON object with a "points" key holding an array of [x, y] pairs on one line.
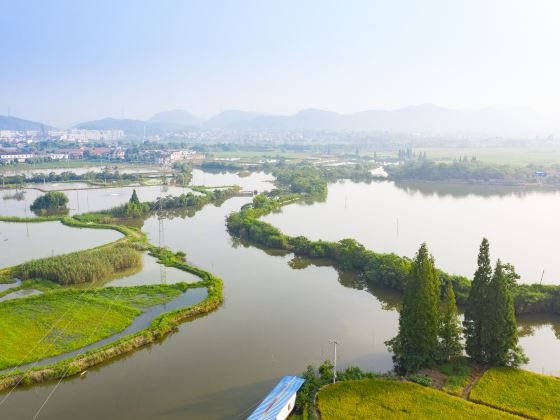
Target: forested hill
{"points": [[19, 124], [475, 171]]}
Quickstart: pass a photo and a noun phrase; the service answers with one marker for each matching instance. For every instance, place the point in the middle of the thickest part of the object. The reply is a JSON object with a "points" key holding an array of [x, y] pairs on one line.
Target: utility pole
{"points": [[161, 238], [335, 343]]}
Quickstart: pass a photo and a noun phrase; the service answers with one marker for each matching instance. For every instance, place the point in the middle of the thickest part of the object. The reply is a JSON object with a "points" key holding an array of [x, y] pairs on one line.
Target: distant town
{"points": [[18, 147]]}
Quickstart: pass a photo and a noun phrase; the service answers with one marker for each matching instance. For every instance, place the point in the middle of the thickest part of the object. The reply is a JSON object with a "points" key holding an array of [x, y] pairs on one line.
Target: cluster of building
{"points": [[15, 154], [75, 135], [169, 157], [115, 153]]}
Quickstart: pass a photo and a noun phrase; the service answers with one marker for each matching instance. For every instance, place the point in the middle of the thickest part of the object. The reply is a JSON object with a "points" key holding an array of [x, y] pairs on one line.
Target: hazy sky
{"points": [[66, 61]]}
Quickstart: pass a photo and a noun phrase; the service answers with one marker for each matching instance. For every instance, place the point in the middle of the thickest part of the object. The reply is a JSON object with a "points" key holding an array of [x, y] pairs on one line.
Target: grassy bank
{"points": [[518, 391], [386, 399]]}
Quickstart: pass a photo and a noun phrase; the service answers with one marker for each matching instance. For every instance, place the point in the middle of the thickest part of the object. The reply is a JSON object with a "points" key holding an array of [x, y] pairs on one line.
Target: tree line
{"points": [[429, 326], [467, 170], [68, 176]]}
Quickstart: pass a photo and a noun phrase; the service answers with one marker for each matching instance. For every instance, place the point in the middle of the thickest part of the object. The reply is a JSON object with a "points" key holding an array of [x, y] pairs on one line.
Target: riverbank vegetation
{"points": [[472, 170], [93, 178]]}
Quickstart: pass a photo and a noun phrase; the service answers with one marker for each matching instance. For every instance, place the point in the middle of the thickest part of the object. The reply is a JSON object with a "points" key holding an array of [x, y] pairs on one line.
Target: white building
{"points": [[169, 157], [15, 157], [93, 135]]}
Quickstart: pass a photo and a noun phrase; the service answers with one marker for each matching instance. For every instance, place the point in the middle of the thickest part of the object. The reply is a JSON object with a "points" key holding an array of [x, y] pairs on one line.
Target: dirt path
{"points": [[476, 373], [438, 378]]}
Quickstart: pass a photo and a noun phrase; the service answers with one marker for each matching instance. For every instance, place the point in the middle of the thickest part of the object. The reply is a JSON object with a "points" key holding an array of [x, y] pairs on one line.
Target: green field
{"points": [[384, 399], [243, 154], [66, 325], [505, 156], [70, 164], [67, 319], [529, 394]]}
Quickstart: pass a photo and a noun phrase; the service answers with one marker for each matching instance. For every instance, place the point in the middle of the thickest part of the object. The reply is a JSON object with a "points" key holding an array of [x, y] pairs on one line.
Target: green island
{"points": [[50, 202]]}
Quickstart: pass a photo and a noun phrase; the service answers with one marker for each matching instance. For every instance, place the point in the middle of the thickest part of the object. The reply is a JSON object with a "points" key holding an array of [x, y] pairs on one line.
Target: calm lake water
{"points": [[153, 273], [278, 316], [259, 181], [522, 226], [20, 242]]}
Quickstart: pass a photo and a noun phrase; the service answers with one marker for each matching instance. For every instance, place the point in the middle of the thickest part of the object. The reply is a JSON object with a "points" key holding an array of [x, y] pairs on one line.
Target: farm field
{"points": [[526, 393], [386, 399]]}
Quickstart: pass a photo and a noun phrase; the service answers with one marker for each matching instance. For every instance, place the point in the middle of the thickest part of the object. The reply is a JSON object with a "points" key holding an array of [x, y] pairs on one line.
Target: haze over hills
{"points": [[19, 124], [231, 119], [176, 117], [420, 119]]}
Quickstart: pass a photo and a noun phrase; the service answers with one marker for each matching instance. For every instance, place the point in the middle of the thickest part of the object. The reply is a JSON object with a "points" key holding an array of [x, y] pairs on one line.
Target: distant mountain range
{"points": [[18, 124], [421, 119]]}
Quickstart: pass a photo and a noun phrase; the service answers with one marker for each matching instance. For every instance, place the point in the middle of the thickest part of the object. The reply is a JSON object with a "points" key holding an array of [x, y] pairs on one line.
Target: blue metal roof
{"points": [[274, 402]]}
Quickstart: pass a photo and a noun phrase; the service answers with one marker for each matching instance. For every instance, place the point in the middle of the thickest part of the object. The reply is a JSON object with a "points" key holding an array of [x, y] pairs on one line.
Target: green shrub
{"points": [[421, 380]]}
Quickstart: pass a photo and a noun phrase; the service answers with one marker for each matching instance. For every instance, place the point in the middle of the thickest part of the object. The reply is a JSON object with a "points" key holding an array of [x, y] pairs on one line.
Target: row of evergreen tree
{"points": [[429, 324]]}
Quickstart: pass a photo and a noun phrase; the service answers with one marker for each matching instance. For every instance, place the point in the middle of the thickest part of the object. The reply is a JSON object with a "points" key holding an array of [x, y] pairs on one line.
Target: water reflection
{"points": [[20, 242], [522, 228], [458, 190]]}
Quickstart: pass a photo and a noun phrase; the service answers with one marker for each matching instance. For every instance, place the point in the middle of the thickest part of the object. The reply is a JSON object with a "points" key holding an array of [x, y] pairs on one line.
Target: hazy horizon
{"points": [[67, 63]]}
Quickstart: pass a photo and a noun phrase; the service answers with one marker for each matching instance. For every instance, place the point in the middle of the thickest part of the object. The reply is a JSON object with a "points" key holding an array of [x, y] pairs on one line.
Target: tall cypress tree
{"points": [[450, 332], [416, 345], [475, 323], [503, 346], [134, 199]]}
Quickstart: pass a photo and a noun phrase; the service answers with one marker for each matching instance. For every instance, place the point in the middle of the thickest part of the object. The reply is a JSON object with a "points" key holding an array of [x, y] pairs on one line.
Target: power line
{"points": [[76, 357], [44, 353]]}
